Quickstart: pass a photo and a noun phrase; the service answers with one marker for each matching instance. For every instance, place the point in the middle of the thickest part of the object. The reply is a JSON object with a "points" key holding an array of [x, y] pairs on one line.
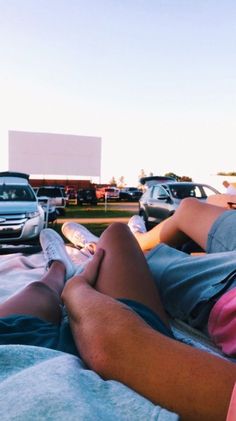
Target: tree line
{"points": [[121, 183]]}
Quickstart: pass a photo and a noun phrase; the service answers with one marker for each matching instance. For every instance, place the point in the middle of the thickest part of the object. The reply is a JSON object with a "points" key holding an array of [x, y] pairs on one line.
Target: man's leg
{"points": [[192, 220]]}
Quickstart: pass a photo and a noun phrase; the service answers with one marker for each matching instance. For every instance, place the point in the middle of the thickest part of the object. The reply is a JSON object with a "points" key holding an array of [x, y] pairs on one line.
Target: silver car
{"points": [[161, 200], [21, 216]]}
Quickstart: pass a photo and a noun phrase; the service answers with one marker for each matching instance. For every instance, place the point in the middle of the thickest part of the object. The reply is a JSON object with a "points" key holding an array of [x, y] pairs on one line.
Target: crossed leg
{"points": [[192, 220], [124, 272]]}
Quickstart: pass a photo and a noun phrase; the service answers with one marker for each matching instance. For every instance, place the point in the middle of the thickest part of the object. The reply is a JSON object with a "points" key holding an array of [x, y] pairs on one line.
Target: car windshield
{"points": [[86, 191], [15, 193], [182, 191], [44, 191]]}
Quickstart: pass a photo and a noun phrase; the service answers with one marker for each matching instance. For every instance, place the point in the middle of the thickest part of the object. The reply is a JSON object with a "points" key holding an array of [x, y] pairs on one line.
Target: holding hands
{"points": [[91, 271], [87, 277]]}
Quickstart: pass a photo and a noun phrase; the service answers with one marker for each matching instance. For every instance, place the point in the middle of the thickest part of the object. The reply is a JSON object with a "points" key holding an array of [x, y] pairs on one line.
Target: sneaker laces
{"points": [[50, 253], [79, 236], [87, 250]]}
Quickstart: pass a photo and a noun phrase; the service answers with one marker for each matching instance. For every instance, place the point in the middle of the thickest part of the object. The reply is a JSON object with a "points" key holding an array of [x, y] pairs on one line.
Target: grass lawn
{"points": [[91, 212], [94, 212]]}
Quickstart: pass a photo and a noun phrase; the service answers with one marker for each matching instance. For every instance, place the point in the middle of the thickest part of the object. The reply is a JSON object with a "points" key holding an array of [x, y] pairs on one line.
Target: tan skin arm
{"points": [[119, 345]]}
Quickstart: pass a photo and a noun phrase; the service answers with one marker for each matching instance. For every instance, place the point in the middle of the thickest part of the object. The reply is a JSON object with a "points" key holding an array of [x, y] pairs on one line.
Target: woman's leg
{"points": [[124, 272], [41, 298], [192, 220]]}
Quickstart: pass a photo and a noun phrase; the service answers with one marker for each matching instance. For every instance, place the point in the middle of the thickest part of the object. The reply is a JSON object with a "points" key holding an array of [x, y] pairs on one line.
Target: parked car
{"points": [[161, 200], [109, 193], [71, 195], [21, 216], [130, 194], [154, 179], [87, 196], [56, 197]]}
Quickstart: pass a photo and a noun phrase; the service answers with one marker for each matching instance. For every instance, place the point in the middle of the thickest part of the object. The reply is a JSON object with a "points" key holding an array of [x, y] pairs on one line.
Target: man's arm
{"points": [[119, 345]]}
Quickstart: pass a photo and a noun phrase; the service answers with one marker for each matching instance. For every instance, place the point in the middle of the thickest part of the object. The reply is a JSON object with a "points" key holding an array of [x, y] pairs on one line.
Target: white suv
{"points": [[21, 216], [54, 194]]}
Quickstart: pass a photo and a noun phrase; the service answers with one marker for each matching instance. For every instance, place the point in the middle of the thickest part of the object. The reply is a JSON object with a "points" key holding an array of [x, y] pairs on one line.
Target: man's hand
{"points": [[91, 270], [89, 274], [87, 277]]}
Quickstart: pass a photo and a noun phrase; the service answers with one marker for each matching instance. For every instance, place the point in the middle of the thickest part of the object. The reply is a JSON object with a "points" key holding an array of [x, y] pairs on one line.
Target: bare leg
{"points": [[124, 272], [192, 220], [224, 200], [41, 299]]}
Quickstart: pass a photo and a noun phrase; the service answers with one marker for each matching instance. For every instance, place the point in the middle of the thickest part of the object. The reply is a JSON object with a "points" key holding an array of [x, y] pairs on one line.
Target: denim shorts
{"points": [[222, 235], [189, 284], [29, 330], [151, 318], [23, 329]]}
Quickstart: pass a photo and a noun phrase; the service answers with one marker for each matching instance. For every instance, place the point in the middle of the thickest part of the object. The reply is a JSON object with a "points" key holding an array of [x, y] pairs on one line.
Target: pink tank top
{"points": [[222, 323]]}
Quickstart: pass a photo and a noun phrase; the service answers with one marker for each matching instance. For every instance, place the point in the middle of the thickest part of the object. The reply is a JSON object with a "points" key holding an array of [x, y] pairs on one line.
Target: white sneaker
{"points": [[80, 257], [54, 250], [136, 224], [78, 235]]}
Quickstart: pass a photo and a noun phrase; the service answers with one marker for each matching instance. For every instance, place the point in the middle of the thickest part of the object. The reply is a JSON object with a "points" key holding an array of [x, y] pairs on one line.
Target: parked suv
{"points": [[109, 193], [55, 195], [161, 200], [21, 216], [87, 196], [130, 194]]}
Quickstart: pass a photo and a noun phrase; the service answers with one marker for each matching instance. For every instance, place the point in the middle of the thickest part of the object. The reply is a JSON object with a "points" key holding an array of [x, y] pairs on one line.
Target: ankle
{"points": [[57, 265]]}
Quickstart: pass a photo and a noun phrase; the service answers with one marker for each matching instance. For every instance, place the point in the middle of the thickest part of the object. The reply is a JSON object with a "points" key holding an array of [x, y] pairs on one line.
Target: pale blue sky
{"points": [[155, 79]]}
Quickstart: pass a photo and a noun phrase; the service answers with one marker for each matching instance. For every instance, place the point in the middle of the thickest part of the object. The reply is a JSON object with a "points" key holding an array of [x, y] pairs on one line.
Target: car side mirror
{"points": [[163, 196]]}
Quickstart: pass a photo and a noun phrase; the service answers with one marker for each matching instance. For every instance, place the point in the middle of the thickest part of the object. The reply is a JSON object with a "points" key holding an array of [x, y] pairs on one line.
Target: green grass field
{"points": [[71, 212], [94, 212]]}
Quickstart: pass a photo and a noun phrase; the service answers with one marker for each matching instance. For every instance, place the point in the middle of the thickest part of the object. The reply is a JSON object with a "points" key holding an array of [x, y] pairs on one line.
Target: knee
{"points": [[117, 229], [40, 288], [186, 205]]}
